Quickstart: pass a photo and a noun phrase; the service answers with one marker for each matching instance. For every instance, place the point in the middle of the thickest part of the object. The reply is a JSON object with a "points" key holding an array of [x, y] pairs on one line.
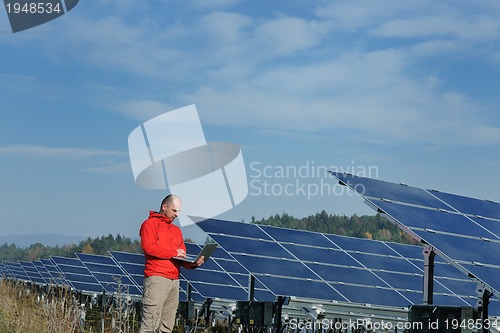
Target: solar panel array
{"points": [[336, 268], [109, 274], [123, 273], [221, 277], [297, 264], [465, 231]]}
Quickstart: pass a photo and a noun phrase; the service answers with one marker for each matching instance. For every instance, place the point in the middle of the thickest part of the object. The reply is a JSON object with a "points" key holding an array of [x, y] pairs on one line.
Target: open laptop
{"points": [[206, 252]]}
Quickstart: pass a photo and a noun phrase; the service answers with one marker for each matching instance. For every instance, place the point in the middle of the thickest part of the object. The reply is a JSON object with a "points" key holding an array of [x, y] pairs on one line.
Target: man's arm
{"points": [[149, 242], [194, 265]]}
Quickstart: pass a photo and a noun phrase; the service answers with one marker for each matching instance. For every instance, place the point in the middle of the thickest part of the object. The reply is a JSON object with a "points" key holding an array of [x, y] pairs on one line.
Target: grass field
{"points": [[24, 309]]}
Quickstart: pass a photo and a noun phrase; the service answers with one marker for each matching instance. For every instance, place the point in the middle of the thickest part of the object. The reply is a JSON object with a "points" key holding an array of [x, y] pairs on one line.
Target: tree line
{"points": [[99, 245], [366, 226], [373, 227]]}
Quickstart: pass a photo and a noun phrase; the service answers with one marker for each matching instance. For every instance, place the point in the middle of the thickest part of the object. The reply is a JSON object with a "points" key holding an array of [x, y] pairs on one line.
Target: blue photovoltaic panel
{"points": [[56, 276], [282, 286], [407, 251], [371, 295], [458, 286], [327, 255], [385, 263], [77, 275], [465, 231], [4, 271], [343, 274], [132, 264], [294, 237], [435, 220], [491, 225], [402, 281], [357, 244], [471, 206], [465, 249], [385, 190], [323, 266], [211, 280], [17, 271], [255, 246], [109, 274], [474, 248], [43, 271], [32, 272], [275, 266], [245, 230], [220, 277]]}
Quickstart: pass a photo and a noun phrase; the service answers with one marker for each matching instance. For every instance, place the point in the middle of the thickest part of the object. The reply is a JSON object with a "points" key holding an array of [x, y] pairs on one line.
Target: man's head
{"points": [[171, 206]]}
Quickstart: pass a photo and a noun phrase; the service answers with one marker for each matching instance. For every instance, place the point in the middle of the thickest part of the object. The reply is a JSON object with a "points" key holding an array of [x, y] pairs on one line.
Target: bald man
{"points": [[161, 241]]}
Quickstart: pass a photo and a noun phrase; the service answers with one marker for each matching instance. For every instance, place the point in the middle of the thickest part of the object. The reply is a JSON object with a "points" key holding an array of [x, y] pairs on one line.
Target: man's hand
{"points": [[199, 262], [181, 253]]}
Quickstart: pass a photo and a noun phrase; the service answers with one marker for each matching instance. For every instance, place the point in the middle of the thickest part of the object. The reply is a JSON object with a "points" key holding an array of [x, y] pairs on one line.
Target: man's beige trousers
{"points": [[160, 300]]}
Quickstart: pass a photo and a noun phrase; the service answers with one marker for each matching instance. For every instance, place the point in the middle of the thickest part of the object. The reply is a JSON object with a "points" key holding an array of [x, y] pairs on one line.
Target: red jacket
{"points": [[160, 240]]}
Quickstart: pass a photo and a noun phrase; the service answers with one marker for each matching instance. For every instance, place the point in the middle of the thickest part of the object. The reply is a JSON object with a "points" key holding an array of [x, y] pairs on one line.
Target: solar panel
{"points": [[17, 272], [33, 272], [212, 280], [109, 274], [4, 271], [425, 219], [471, 206], [220, 277], [77, 275], [465, 231], [132, 264], [56, 276], [321, 266], [40, 267]]}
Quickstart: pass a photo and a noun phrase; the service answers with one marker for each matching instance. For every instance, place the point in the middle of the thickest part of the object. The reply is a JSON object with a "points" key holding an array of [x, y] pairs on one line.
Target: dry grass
{"points": [[24, 310]]}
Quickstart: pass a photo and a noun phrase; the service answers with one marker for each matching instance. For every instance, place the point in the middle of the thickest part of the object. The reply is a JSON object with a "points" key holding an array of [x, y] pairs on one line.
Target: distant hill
{"points": [[24, 241]]}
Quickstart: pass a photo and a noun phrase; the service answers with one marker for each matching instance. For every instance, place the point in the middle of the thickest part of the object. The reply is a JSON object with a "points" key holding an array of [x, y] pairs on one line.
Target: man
{"points": [[161, 240]]}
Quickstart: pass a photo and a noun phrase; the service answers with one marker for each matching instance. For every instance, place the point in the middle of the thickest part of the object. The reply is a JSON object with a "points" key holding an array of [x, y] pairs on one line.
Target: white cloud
{"points": [[353, 15], [289, 72], [367, 93], [461, 26], [142, 109], [285, 35]]}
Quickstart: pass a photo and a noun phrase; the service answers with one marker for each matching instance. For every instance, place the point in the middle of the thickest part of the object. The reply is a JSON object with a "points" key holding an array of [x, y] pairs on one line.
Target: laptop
{"points": [[206, 252]]}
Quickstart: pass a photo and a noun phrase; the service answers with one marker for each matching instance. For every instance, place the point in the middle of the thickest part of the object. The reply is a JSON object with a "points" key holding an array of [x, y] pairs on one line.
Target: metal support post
{"points": [[429, 255], [251, 287], [484, 296]]}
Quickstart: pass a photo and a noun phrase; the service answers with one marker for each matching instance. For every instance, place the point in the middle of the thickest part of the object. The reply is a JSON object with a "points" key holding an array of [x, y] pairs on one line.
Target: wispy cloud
{"points": [[83, 159], [288, 71], [22, 150]]}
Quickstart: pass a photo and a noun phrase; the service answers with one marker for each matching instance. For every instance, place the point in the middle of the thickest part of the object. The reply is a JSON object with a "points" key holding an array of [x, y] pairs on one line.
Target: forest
{"points": [[367, 226]]}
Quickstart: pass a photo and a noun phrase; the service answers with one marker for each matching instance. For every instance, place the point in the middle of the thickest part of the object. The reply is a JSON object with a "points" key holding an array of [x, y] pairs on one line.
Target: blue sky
{"points": [[401, 91]]}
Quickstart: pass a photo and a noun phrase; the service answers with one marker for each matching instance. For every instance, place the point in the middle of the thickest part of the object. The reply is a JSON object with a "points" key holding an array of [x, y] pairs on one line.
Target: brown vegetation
{"points": [[24, 310]]}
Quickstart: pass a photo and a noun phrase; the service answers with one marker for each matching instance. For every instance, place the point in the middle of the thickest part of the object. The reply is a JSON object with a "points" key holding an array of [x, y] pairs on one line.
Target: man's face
{"points": [[173, 209]]}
